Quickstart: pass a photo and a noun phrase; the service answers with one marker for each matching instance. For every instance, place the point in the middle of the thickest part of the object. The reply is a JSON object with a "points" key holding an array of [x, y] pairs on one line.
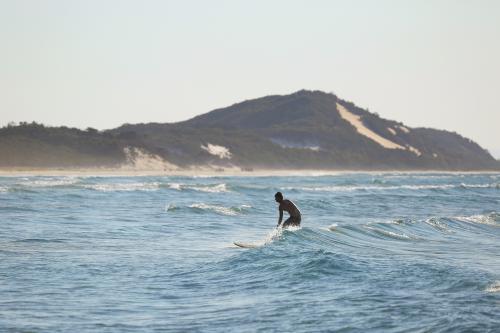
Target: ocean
{"points": [[376, 252]]}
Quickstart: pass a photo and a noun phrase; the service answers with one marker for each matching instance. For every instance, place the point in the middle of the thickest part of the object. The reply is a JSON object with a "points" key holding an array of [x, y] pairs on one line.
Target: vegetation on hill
{"points": [[35, 145], [300, 130]]}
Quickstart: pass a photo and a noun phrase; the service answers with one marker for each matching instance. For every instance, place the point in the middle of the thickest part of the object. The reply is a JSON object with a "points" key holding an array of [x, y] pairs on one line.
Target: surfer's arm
{"points": [[281, 217]]}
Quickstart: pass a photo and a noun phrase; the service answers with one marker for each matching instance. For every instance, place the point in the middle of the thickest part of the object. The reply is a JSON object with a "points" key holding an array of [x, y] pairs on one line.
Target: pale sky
{"points": [[102, 63]]}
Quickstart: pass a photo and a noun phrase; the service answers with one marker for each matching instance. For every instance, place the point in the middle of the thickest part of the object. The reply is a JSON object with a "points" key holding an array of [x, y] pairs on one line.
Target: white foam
{"points": [[428, 187], [348, 188], [50, 182], [339, 188], [217, 209], [388, 233], [492, 185], [170, 207], [494, 287], [217, 188], [123, 187], [414, 176], [273, 235], [333, 227], [487, 219], [434, 222], [211, 188], [4, 189], [175, 186]]}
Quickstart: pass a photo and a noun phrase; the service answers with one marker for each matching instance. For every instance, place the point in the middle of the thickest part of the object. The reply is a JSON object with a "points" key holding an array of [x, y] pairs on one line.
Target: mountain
{"points": [[303, 130], [34, 145]]}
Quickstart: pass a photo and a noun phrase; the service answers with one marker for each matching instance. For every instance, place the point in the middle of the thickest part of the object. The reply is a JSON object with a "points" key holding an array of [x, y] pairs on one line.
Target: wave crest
{"points": [[203, 208], [492, 218], [50, 182], [494, 287], [210, 188], [122, 187]]}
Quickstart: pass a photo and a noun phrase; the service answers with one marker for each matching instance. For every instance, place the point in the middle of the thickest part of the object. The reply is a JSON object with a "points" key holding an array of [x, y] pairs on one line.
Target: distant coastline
{"points": [[209, 172], [305, 130]]}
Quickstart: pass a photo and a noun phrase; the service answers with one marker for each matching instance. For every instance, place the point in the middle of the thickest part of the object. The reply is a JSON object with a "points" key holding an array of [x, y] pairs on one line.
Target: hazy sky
{"points": [[103, 63]]}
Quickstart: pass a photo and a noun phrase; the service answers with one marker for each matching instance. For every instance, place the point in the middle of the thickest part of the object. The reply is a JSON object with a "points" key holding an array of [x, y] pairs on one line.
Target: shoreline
{"points": [[207, 172]]}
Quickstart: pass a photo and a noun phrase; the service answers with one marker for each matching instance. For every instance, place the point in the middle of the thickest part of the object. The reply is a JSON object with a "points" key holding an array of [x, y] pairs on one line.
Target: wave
{"points": [[117, 187], [390, 234], [492, 218], [113, 187], [438, 224], [492, 185], [494, 287], [217, 209], [210, 188], [203, 207], [175, 186], [51, 182], [273, 235], [377, 185], [374, 234], [381, 187], [417, 176]]}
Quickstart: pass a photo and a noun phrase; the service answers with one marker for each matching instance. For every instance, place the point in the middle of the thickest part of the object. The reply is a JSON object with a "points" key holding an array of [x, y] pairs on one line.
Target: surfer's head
{"points": [[278, 197]]}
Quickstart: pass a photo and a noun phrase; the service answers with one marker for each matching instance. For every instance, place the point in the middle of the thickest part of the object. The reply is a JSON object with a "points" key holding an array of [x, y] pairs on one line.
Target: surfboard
{"points": [[245, 245]]}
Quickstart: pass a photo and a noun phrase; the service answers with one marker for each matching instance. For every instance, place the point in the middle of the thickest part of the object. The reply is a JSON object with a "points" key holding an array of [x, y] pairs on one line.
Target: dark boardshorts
{"points": [[292, 221]]}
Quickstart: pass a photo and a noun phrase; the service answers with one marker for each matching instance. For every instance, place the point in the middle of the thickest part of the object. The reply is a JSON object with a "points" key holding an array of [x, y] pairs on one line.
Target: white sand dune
{"points": [[404, 129], [216, 150], [357, 123], [138, 159]]}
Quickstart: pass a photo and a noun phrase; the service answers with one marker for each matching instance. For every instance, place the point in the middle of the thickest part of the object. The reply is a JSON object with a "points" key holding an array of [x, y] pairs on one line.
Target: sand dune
{"points": [[356, 121]]}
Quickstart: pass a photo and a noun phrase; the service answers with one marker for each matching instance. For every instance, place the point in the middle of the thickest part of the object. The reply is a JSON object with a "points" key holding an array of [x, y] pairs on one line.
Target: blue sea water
{"points": [[388, 252]]}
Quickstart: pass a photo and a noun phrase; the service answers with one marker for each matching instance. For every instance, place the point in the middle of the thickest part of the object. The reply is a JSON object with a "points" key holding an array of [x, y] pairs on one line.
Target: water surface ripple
{"points": [[388, 252]]}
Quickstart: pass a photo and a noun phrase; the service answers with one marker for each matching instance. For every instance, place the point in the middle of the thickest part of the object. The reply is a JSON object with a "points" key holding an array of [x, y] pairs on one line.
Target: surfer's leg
{"points": [[287, 223], [291, 221]]}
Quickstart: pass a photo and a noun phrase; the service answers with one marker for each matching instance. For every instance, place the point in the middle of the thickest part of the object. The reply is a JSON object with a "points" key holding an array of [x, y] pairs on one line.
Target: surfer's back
{"points": [[290, 207]]}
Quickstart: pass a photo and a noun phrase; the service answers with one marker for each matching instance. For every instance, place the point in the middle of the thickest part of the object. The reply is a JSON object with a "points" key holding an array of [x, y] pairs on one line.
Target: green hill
{"points": [[306, 129]]}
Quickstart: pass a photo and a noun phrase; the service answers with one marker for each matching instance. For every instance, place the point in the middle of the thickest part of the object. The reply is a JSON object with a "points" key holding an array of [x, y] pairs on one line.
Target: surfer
{"points": [[288, 206]]}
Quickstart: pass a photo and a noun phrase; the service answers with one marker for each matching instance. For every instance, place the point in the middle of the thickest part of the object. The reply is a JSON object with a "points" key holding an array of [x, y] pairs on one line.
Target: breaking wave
{"points": [[381, 187], [492, 218], [202, 208], [390, 234], [209, 188], [494, 287], [374, 234], [117, 187], [50, 182]]}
